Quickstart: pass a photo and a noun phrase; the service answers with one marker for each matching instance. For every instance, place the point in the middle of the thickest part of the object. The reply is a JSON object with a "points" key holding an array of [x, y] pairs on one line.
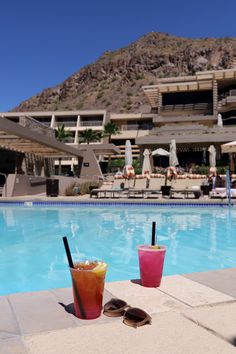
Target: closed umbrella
{"points": [[173, 160], [146, 168], [212, 156], [219, 121], [128, 153], [128, 169]]}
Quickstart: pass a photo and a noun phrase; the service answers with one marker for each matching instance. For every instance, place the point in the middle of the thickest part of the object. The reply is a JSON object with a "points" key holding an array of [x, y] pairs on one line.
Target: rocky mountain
{"points": [[115, 80]]}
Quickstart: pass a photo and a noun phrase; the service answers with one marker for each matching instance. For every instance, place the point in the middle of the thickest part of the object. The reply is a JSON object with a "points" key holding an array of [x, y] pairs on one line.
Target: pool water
{"points": [[32, 255]]}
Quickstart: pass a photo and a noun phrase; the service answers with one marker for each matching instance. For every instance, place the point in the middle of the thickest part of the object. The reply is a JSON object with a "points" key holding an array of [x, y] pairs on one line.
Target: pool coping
{"points": [[27, 316], [85, 200]]}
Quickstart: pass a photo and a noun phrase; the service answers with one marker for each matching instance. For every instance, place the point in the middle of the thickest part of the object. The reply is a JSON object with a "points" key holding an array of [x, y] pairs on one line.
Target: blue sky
{"points": [[45, 41]]}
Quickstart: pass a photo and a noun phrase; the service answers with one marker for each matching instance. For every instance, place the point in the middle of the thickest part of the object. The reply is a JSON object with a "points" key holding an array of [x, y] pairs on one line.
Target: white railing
{"points": [[67, 123], [186, 107], [93, 123], [136, 127]]}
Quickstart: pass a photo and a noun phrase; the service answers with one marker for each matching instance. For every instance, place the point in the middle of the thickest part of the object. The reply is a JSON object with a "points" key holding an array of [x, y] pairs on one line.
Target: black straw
{"points": [[153, 233], [66, 245], [75, 287]]}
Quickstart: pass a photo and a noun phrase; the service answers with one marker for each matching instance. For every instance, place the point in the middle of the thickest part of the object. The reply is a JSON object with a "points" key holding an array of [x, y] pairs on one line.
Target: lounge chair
{"points": [[195, 184], [179, 185], [140, 187], [155, 184], [218, 193], [108, 189], [222, 193], [187, 186]]}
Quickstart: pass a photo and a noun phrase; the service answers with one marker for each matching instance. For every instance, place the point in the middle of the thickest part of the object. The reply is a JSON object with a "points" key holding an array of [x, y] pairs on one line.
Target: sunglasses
{"points": [[132, 316]]}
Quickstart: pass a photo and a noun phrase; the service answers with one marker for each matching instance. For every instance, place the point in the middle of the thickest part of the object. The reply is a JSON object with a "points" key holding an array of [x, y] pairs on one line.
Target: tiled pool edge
{"points": [[140, 202]]}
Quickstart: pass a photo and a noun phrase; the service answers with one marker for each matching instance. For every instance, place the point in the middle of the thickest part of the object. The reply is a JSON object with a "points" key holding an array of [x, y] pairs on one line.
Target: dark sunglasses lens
{"points": [[114, 304], [135, 315]]}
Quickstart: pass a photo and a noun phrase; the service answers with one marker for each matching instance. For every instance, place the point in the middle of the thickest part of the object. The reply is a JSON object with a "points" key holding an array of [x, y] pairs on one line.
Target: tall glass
{"points": [[151, 261], [88, 285]]}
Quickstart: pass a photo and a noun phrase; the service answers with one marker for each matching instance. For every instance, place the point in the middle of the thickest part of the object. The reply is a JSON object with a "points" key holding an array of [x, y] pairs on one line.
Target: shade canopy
{"points": [[173, 160], [229, 147], [160, 152]]}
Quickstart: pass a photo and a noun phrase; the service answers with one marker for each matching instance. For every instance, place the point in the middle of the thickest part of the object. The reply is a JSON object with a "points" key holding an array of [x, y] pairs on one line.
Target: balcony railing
{"points": [[70, 140], [92, 123], [232, 93], [187, 107], [184, 118], [136, 127], [67, 123]]}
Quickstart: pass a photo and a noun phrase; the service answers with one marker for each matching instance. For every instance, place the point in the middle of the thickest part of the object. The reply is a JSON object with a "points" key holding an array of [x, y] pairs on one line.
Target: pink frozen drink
{"points": [[151, 261]]}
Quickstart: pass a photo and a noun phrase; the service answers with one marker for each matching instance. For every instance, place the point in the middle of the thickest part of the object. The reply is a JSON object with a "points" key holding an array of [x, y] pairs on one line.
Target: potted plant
{"points": [[170, 173]]}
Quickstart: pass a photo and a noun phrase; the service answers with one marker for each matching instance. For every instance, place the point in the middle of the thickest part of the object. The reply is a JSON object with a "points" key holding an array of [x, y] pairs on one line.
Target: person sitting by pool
{"points": [[218, 181]]}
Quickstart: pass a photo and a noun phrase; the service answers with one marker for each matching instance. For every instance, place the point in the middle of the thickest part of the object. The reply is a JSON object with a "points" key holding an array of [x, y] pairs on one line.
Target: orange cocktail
{"points": [[88, 284]]}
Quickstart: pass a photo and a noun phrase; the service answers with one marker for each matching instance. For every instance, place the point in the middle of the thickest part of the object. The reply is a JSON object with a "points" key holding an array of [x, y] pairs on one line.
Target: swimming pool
{"points": [[32, 256]]}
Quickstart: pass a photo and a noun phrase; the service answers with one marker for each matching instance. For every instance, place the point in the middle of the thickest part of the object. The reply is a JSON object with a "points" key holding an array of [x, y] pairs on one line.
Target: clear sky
{"points": [[45, 41]]}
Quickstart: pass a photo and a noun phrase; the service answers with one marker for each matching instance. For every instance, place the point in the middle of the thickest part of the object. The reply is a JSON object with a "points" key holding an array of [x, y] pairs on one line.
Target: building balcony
{"points": [[190, 135], [136, 127], [67, 123], [183, 118], [187, 107]]}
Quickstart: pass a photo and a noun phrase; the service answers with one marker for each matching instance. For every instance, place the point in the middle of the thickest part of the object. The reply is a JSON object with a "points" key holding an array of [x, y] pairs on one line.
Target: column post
{"points": [[215, 97], [159, 102]]}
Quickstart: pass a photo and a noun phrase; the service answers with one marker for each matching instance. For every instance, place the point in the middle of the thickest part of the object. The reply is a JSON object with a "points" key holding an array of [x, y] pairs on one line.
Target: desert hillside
{"points": [[114, 81]]}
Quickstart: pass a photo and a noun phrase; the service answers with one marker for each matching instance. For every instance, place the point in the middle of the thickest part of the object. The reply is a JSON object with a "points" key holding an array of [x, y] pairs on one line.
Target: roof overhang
{"points": [[152, 92], [24, 140], [201, 81]]}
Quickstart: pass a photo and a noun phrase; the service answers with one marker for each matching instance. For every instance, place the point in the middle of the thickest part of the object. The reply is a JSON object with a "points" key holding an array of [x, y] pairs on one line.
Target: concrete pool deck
{"points": [[193, 313]]}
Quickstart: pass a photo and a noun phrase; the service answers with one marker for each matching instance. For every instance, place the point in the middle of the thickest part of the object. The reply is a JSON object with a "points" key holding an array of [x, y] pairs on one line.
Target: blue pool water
{"points": [[32, 256]]}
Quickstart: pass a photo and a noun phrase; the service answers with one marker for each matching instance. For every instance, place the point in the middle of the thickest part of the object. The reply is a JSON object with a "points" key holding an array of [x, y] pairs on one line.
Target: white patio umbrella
{"points": [[160, 152], [146, 168], [128, 170], [128, 153], [219, 120], [212, 156], [173, 160], [229, 147]]}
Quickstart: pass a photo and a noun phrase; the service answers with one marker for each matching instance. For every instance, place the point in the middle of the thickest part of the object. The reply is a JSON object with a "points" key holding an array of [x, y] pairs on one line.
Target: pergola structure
{"points": [[17, 138], [26, 141]]}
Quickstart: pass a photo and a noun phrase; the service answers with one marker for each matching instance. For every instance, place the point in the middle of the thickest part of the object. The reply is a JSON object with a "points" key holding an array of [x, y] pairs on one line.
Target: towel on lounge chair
{"points": [[106, 188]]}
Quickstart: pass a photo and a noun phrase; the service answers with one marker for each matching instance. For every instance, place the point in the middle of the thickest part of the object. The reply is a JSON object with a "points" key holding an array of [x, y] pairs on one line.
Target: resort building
{"points": [[74, 121], [197, 111]]}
